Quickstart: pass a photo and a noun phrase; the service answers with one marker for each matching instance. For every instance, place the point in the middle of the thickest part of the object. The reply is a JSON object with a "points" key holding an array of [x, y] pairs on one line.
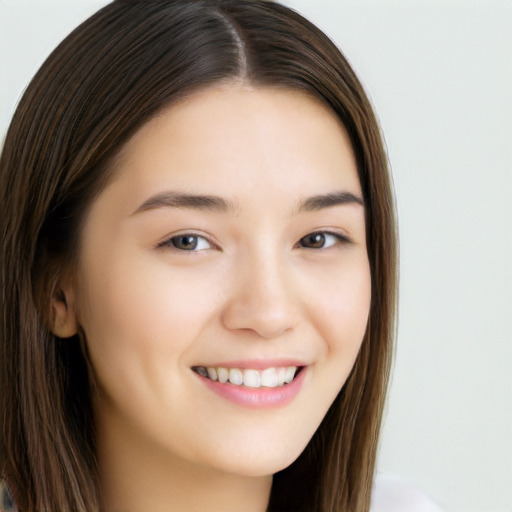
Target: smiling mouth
{"points": [[274, 377]]}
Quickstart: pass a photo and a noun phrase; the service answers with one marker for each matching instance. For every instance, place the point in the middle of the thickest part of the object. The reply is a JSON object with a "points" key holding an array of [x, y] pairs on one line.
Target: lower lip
{"points": [[257, 398]]}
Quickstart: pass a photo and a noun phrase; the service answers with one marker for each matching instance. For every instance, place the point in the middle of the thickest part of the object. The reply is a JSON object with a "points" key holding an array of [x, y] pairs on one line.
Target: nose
{"points": [[262, 299]]}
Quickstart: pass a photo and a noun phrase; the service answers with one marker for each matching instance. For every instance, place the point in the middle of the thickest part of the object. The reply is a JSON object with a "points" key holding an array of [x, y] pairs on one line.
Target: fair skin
{"points": [[168, 285]]}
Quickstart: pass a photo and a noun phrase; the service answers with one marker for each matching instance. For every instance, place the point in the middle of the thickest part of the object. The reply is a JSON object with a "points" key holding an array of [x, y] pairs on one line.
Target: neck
{"points": [[136, 475]]}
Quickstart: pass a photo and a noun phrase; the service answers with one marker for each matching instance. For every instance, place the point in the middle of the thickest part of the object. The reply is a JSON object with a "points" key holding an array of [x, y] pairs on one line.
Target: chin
{"points": [[265, 461]]}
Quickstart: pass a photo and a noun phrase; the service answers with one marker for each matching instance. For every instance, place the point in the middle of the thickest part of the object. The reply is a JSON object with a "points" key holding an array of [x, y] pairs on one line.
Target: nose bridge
{"points": [[262, 299]]}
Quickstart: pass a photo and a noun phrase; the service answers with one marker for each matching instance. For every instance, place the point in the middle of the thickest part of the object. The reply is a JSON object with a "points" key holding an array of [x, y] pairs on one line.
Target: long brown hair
{"points": [[102, 83]]}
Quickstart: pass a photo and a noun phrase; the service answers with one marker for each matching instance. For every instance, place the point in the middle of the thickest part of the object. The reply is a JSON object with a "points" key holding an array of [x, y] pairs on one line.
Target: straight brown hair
{"points": [[111, 75]]}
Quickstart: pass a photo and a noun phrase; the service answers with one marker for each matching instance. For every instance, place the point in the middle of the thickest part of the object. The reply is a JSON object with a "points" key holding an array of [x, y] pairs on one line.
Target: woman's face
{"points": [[230, 245]]}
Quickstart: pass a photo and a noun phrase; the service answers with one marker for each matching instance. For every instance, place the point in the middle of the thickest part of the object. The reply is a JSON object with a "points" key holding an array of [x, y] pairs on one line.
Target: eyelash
{"points": [[171, 242]]}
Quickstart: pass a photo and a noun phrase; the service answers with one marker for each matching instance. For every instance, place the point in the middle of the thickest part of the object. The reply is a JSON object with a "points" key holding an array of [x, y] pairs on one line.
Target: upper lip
{"points": [[255, 364]]}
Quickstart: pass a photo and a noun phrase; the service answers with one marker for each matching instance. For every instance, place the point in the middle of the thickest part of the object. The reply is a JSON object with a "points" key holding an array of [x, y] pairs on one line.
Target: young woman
{"points": [[198, 268]]}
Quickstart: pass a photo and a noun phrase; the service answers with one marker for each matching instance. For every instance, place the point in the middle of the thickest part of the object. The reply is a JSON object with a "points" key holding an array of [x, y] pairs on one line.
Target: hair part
{"points": [[110, 76]]}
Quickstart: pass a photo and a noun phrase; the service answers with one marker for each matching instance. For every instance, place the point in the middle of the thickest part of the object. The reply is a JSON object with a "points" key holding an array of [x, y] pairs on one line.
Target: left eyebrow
{"points": [[319, 202]]}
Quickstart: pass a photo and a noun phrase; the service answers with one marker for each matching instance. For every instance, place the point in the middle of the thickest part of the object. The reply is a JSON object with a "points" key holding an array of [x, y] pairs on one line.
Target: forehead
{"points": [[228, 139]]}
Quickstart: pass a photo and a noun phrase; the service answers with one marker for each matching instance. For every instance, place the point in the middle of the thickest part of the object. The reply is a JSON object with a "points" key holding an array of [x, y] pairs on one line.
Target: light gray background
{"points": [[440, 76]]}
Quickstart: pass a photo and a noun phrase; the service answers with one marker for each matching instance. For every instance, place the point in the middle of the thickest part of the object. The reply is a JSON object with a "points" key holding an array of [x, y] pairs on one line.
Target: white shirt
{"points": [[391, 494]]}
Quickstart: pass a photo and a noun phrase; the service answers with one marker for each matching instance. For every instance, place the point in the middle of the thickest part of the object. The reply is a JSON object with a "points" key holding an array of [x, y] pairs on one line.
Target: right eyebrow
{"points": [[171, 199]]}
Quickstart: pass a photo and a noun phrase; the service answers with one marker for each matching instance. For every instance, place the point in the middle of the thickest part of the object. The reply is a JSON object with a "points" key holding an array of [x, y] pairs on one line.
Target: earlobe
{"points": [[64, 322]]}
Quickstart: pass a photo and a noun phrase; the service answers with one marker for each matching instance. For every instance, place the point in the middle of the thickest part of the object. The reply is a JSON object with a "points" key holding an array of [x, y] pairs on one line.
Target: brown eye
{"points": [[187, 242], [313, 241], [322, 240]]}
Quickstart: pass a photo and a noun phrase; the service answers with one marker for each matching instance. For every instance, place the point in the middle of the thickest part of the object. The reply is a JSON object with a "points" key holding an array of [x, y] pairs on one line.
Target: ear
{"points": [[64, 321]]}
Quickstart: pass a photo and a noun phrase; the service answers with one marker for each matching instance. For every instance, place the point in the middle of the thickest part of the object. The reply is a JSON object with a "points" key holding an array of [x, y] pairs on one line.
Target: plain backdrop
{"points": [[439, 74]]}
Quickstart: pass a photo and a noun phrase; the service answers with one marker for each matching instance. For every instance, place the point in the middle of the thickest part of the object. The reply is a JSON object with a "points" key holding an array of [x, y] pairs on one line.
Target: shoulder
{"points": [[391, 494]]}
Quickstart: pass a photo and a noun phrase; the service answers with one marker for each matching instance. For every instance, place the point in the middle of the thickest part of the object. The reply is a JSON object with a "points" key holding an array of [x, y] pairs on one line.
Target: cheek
{"points": [[343, 307], [137, 312], [341, 319]]}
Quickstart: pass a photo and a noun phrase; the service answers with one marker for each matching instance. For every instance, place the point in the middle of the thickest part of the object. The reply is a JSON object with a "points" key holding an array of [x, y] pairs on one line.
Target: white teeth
{"points": [[236, 377], [290, 373], [222, 375], [281, 375], [252, 378], [269, 378]]}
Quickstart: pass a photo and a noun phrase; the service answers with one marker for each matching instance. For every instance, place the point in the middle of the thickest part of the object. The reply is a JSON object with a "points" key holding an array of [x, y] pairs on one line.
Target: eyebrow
{"points": [[319, 202], [172, 199], [194, 201]]}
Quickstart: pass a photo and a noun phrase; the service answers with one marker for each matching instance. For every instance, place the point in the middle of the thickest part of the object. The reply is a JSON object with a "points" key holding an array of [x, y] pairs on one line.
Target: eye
{"points": [[187, 242], [322, 240]]}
